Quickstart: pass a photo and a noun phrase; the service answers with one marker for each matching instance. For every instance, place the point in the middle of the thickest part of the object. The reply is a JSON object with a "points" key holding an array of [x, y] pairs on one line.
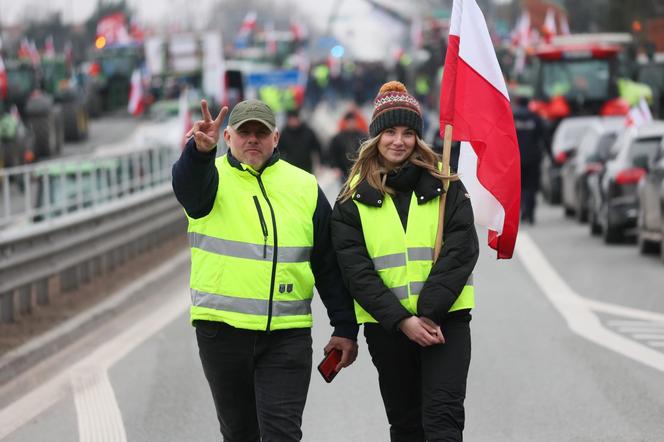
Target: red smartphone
{"points": [[328, 364]]}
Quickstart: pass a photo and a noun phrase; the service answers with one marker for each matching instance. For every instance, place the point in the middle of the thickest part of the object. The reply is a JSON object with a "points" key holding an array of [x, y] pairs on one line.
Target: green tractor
{"points": [[16, 140], [41, 114], [62, 84]]}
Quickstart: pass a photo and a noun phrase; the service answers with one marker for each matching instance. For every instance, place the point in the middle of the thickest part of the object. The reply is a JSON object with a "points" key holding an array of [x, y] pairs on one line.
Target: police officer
{"points": [[260, 239], [529, 132]]}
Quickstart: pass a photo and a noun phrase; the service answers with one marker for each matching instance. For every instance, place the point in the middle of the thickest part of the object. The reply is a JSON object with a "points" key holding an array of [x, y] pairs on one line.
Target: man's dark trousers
{"points": [[259, 380], [423, 388]]}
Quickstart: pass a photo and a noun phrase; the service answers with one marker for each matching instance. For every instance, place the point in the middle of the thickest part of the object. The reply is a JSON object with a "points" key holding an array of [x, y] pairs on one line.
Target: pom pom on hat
{"points": [[393, 86], [394, 106]]}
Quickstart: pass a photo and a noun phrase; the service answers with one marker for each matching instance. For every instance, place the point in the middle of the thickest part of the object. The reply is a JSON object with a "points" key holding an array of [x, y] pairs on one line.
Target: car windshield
{"points": [[588, 78]]}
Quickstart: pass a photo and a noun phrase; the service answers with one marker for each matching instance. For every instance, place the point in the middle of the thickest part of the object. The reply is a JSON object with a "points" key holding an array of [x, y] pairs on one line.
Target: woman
{"points": [[416, 313]]}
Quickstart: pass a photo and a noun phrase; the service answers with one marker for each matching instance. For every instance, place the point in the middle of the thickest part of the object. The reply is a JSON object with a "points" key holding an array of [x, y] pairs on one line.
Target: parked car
{"points": [[650, 222], [565, 139], [613, 193], [585, 160]]}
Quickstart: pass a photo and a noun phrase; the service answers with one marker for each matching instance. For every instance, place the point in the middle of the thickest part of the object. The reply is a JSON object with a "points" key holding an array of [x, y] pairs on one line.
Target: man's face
{"points": [[252, 143]]}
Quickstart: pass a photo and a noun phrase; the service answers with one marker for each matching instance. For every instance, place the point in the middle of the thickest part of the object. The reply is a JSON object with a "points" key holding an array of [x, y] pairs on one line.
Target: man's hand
{"points": [[206, 131], [422, 331], [348, 349]]}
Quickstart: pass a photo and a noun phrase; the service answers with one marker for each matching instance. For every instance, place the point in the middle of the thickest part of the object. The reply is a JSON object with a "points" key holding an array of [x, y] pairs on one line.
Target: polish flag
{"points": [[248, 24], [3, 79], [474, 100], [564, 26], [639, 114], [49, 47], [136, 99], [549, 25]]}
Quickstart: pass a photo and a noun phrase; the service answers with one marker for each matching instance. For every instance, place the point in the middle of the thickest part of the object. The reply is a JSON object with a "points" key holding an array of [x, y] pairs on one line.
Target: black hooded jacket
{"points": [[448, 275]]}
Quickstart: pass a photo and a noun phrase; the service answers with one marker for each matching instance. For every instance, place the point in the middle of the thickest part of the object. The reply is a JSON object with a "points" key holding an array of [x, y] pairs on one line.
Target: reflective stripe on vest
{"points": [[403, 260], [246, 250], [249, 306], [250, 255]]}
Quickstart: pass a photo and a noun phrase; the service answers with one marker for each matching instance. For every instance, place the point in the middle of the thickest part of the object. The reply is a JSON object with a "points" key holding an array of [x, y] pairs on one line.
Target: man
{"points": [[345, 144], [260, 238], [298, 143], [529, 133]]}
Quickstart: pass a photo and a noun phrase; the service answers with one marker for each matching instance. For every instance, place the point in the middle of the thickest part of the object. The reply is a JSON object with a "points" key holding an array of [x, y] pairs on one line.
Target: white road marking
{"points": [[641, 329], [627, 312], [646, 337], [578, 311], [17, 414], [99, 416], [623, 323]]}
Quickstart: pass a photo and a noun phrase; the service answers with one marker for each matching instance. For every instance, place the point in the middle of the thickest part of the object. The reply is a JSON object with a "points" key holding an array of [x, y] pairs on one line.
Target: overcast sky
{"points": [[78, 11]]}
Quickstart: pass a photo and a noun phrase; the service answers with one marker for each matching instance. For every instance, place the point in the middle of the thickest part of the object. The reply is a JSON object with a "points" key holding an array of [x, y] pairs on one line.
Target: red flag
{"points": [[474, 100]]}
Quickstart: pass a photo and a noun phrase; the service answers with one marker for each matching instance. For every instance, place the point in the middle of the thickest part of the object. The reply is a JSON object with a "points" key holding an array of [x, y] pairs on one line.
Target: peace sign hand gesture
{"points": [[206, 131]]}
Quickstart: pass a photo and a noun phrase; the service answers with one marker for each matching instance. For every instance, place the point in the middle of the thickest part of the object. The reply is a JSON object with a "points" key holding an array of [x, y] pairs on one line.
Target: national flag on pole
{"points": [[474, 100], [136, 99], [3, 79], [549, 25], [49, 47], [564, 25], [639, 114]]}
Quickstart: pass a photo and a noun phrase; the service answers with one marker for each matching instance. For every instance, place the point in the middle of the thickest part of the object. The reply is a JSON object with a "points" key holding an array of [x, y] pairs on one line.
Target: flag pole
{"points": [[447, 149]]}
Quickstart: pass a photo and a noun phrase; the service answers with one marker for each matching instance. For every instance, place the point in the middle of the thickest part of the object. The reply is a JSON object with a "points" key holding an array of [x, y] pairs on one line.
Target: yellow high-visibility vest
{"points": [[403, 260], [250, 264]]}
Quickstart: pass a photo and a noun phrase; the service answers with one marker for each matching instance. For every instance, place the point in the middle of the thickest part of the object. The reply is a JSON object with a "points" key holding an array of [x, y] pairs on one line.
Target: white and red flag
{"points": [[474, 100], [639, 114], [3, 79], [136, 103], [550, 25], [49, 47]]}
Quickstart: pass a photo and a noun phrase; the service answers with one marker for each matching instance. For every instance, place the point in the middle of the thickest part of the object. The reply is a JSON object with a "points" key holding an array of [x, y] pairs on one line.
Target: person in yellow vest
{"points": [[260, 240], [416, 312]]}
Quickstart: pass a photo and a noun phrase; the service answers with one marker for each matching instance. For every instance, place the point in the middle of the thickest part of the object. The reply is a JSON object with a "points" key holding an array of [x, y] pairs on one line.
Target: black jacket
{"points": [[343, 149], [195, 182], [297, 145], [448, 275]]}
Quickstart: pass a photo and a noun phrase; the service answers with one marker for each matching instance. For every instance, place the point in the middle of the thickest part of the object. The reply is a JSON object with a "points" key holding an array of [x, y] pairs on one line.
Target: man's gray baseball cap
{"points": [[252, 110]]}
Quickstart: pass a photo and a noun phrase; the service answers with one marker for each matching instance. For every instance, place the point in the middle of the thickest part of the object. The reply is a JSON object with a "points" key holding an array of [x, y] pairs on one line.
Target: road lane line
{"points": [[21, 411], [625, 329], [99, 416], [628, 312], [646, 337], [576, 310]]}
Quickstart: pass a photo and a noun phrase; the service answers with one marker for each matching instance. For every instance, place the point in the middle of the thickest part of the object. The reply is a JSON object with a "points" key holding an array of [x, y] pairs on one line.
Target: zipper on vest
{"points": [[274, 256], [263, 225]]}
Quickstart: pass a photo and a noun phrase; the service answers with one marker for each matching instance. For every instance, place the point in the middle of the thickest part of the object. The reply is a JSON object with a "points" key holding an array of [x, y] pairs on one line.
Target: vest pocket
{"points": [[261, 218]]}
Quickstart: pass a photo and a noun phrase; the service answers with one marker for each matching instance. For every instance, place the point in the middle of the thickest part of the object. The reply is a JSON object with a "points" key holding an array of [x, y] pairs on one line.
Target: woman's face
{"points": [[396, 144]]}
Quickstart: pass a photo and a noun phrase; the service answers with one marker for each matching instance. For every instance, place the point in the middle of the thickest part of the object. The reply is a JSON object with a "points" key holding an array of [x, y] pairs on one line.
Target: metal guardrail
{"points": [[80, 218], [45, 190], [57, 257]]}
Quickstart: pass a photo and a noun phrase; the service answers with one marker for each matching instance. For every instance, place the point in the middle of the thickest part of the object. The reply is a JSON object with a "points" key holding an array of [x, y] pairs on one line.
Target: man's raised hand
{"points": [[206, 131]]}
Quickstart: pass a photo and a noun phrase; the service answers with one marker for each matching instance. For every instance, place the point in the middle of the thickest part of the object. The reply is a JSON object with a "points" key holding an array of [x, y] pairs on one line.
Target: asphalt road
{"points": [[568, 345]]}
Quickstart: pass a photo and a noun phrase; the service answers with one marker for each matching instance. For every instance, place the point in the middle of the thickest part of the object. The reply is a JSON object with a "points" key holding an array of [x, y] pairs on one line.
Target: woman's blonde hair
{"points": [[369, 167]]}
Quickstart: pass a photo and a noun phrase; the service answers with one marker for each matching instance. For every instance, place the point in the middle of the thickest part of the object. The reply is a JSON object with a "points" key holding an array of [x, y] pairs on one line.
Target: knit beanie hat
{"points": [[394, 106]]}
